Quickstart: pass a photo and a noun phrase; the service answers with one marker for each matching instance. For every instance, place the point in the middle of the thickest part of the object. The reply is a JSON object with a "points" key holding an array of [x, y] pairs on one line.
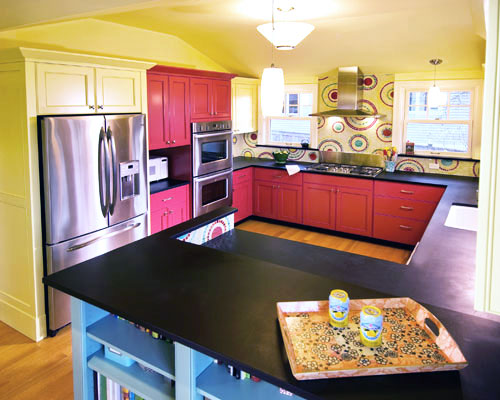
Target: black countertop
{"points": [[166, 184]]}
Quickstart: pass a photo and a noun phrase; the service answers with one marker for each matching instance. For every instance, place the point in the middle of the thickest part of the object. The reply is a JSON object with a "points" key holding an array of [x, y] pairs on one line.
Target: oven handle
{"points": [[211, 135], [213, 177]]}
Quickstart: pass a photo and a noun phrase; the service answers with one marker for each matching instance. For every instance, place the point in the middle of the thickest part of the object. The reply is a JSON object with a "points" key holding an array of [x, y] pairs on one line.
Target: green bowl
{"points": [[280, 158]]}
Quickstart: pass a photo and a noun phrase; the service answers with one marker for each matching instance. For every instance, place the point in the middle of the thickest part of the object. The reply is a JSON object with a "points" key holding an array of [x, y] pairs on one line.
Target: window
{"points": [[293, 126], [450, 130]]}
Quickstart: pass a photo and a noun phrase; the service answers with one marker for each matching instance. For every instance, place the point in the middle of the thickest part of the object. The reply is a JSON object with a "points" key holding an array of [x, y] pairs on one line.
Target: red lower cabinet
{"points": [[354, 211], [319, 205], [264, 200], [400, 230], [169, 208], [289, 198], [243, 193]]}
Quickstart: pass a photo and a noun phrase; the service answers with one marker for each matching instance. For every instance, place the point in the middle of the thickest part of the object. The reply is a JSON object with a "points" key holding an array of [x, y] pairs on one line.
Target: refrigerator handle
{"points": [[113, 170], [105, 236], [103, 169]]}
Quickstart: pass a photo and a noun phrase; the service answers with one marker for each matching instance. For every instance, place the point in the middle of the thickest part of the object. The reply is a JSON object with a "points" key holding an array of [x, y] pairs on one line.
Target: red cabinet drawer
{"points": [[242, 175], [319, 179], [275, 175], [421, 210], [169, 198], [401, 230], [409, 191]]}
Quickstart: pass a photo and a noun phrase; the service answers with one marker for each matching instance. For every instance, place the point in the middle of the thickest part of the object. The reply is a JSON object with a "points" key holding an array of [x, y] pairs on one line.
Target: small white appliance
{"points": [[158, 168]]}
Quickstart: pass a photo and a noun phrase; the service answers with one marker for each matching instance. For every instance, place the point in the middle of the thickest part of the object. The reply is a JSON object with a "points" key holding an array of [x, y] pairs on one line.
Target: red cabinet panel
{"points": [[158, 124], [221, 99], [319, 205], [169, 208], [264, 200], [201, 98], [289, 203], [320, 179], [401, 230], [409, 191], [243, 194], [420, 210], [354, 211], [179, 118], [278, 176]]}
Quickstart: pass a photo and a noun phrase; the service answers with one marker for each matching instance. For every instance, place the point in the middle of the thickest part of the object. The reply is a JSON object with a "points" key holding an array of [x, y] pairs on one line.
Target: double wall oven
{"points": [[212, 166]]}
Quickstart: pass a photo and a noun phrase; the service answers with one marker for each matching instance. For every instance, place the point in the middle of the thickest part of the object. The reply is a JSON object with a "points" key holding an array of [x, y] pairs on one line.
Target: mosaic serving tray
{"points": [[316, 350]]}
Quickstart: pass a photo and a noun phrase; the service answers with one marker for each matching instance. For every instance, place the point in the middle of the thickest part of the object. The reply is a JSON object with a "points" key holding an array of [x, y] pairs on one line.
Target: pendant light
{"points": [[272, 87], [285, 35], [434, 96]]}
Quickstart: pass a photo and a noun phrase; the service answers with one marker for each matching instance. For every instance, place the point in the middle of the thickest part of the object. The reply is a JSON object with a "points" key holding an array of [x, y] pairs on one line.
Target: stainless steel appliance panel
{"points": [[72, 252], [212, 152], [126, 140], [75, 169], [212, 191]]}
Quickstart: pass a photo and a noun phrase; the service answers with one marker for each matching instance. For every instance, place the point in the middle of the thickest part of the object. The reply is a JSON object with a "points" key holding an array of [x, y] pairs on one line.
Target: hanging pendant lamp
{"points": [[434, 96], [285, 35], [272, 87]]}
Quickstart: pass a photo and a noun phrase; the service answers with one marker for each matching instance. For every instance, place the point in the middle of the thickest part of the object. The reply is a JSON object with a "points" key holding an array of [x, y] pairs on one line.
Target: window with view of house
{"points": [[451, 129], [293, 126]]}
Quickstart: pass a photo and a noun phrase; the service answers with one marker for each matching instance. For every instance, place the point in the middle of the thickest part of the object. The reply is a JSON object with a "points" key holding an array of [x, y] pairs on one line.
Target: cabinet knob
{"points": [[167, 199], [168, 141], [407, 191], [100, 107], [165, 214], [171, 212], [406, 208], [92, 107], [405, 227], [173, 141]]}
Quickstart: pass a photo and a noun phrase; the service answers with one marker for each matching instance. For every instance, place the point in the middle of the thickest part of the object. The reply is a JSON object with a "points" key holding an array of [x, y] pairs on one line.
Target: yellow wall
{"points": [[109, 39]]}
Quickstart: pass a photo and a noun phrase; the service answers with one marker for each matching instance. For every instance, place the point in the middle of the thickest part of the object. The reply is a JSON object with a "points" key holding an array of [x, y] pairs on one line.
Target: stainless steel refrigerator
{"points": [[94, 192]]}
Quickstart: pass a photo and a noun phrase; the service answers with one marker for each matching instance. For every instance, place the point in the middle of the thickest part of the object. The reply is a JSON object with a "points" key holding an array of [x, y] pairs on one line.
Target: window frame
{"points": [[401, 106], [265, 122]]}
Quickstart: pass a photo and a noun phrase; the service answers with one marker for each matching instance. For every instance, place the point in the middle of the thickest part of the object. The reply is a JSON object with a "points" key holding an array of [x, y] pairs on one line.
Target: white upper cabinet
{"points": [[245, 102], [70, 89], [118, 91], [65, 89]]}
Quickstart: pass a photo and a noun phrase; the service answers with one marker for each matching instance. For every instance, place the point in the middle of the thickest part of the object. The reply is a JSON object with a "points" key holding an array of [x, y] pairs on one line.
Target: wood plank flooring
{"points": [[326, 240], [30, 370]]}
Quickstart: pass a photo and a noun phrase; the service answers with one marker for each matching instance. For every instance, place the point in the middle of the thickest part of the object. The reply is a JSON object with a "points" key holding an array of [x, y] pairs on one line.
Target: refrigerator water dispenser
{"points": [[129, 179]]}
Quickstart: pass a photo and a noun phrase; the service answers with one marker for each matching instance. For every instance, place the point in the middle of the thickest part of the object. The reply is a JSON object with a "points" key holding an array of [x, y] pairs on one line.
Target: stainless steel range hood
{"points": [[349, 96]]}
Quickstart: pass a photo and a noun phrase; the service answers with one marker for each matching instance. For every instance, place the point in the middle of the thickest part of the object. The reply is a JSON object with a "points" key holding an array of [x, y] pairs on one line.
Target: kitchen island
{"points": [[221, 304]]}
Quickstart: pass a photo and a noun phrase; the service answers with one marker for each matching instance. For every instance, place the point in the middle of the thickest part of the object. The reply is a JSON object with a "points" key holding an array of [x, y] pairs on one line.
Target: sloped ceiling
{"points": [[377, 35]]}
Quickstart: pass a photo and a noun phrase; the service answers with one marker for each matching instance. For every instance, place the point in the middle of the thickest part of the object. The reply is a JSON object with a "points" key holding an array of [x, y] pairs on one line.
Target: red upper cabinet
{"points": [[201, 98], [221, 99], [180, 131], [158, 124]]}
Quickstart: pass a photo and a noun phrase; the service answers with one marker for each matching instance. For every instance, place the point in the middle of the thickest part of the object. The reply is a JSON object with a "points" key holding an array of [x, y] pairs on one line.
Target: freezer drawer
{"points": [[75, 251]]}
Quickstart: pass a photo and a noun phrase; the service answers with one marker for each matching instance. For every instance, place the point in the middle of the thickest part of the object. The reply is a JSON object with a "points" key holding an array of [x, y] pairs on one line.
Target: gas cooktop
{"points": [[346, 169]]}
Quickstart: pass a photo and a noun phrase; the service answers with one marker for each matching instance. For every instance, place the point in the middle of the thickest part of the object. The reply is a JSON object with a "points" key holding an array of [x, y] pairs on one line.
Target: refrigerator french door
{"points": [[95, 192]]}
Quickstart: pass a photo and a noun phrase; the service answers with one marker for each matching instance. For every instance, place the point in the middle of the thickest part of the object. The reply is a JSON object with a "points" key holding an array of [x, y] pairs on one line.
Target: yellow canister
{"points": [[370, 326], [339, 308]]}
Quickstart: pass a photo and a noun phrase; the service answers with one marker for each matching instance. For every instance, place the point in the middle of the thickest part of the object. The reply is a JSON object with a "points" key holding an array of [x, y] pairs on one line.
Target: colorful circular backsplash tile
{"points": [[362, 124], [387, 94], [313, 156], [251, 139], [321, 122], [330, 145], [266, 154], [235, 139], [448, 165], [410, 165], [358, 143], [369, 82], [296, 154], [329, 95], [384, 132], [247, 153], [475, 168], [338, 127]]}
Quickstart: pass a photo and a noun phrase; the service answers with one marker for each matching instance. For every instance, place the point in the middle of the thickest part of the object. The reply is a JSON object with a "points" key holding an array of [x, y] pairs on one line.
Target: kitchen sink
{"points": [[462, 217]]}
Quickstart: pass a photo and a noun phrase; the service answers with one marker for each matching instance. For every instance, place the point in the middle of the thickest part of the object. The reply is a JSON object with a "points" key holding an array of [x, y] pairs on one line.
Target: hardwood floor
{"points": [[326, 240], [30, 370]]}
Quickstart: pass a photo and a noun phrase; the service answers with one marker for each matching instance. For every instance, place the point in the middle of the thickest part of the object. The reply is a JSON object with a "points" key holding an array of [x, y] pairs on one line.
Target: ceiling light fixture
{"points": [[272, 86], [285, 35], [434, 96]]}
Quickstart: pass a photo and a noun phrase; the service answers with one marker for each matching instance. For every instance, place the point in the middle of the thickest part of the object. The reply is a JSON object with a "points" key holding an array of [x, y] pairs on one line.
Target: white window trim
{"points": [[265, 122], [401, 90]]}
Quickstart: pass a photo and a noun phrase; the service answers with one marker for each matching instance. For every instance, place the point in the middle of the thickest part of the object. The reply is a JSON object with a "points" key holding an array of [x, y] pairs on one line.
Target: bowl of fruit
{"points": [[280, 156]]}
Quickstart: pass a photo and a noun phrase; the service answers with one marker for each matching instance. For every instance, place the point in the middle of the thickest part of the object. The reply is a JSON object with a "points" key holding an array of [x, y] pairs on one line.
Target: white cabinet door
{"points": [[118, 91], [65, 89], [244, 108]]}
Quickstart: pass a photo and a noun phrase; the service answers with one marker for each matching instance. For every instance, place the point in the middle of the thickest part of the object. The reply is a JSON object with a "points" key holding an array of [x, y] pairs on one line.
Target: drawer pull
{"points": [[242, 176], [406, 208], [165, 214], [407, 191], [406, 228], [167, 199], [277, 176]]}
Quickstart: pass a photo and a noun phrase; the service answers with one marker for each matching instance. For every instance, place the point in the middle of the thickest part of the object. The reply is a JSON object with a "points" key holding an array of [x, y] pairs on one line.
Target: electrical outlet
{"points": [[433, 166]]}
